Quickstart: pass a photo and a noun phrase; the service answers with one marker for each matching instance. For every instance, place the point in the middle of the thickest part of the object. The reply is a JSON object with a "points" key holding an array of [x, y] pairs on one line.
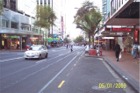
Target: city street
{"points": [[62, 72]]}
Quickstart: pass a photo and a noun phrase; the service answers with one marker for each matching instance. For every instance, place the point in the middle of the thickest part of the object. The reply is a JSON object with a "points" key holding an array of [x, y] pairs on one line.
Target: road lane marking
{"points": [[47, 84], [29, 75], [61, 84], [34, 66], [50, 59], [1, 61]]}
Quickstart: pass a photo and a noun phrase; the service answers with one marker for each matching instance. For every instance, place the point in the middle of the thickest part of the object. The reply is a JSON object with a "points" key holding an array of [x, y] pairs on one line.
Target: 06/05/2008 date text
{"points": [[112, 85]]}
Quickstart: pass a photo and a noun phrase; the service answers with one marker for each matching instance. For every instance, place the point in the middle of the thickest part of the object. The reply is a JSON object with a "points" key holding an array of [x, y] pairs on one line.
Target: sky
{"points": [[71, 8], [66, 8]]}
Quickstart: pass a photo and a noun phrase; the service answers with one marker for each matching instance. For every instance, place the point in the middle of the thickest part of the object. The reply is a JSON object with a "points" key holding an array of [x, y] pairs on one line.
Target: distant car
{"points": [[36, 51]]}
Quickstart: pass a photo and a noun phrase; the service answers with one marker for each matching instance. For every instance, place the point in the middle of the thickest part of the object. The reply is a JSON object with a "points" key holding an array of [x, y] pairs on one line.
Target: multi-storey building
{"points": [[105, 9], [16, 24], [122, 19]]}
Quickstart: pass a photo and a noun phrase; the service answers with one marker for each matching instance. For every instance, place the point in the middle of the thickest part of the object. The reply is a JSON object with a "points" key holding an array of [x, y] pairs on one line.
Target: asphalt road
{"points": [[62, 72]]}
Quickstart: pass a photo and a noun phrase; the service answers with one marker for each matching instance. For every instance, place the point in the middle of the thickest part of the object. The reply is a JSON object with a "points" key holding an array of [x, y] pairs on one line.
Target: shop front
{"points": [[12, 42]]}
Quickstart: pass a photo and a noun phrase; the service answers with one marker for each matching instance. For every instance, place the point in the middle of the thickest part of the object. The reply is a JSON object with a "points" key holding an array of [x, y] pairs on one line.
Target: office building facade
{"points": [[16, 24]]}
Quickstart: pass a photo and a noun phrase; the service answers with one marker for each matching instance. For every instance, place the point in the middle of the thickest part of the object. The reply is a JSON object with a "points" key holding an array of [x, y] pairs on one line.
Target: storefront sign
{"points": [[118, 29]]}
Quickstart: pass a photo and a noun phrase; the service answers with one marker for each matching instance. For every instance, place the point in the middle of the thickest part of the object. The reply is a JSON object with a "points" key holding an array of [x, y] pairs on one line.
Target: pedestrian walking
{"points": [[67, 46], [71, 48], [117, 51], [135, 51]]}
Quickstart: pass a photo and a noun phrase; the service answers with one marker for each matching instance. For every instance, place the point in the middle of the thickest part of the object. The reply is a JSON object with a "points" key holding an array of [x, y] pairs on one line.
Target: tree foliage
{"points": [[88, 18], [79, 39], [66, 40], [45, 16], [1, 6], [128, 41]]}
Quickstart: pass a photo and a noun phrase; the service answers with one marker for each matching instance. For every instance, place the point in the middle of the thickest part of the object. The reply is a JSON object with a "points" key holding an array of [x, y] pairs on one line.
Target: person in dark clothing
{"points": [[117, 51], [71, 48]]}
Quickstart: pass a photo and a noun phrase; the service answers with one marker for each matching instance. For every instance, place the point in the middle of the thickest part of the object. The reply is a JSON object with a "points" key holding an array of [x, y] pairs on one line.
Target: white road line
{"points": [[47, 84], [51, 58], [29, 75], [1, 61]]}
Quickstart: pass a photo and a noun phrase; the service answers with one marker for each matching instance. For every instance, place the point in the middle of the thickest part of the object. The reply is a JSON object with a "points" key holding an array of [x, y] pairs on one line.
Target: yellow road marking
{"points": [[61, 84]]}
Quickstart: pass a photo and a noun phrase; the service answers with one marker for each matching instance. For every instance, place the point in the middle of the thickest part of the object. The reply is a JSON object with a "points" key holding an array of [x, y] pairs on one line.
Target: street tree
{"points": [[45, 16], [87, 18], [66, 40], [79, 39]]}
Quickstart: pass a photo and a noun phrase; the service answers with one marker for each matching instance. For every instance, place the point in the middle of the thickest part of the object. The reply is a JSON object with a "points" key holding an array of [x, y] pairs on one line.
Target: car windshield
{"points": [[35, 48]]}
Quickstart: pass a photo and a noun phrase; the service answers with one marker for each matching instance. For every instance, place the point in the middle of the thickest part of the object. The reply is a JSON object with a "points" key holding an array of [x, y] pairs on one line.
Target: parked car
{"points": [[36, 51]]}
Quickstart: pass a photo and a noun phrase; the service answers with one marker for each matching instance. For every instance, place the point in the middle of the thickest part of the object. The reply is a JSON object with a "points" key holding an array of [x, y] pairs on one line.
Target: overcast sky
{"points": [[66, 8], [71, 11]]}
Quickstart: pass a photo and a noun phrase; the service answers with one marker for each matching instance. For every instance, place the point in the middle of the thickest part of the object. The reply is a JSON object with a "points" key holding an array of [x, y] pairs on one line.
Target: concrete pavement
{"points": [[127, 68]]}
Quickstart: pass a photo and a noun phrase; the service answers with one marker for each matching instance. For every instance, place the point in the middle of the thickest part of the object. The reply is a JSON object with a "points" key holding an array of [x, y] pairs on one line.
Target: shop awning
{"points": [[12, 37], [50, 39]]}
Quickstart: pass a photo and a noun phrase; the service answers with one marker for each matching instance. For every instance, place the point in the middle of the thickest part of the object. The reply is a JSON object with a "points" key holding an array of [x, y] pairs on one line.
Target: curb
{"points": [[87, 55], [12, 50], [121, 75]]}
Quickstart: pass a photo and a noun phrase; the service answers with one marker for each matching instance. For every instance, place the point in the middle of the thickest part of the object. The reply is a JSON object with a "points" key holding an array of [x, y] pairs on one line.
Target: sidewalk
{"points": [[14, 50], [127, 68]]}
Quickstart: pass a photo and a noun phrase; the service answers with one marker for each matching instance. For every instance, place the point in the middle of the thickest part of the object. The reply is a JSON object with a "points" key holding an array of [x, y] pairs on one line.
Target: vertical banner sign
{"points": [[136, 35], [62, 25]]}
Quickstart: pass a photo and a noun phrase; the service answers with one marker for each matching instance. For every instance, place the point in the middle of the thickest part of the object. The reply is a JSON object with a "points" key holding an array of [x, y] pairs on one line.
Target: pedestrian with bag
{"points": [[117, 51]]}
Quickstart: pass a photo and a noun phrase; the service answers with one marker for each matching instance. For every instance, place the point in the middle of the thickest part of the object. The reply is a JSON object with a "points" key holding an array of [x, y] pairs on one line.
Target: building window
{"points": [[45, 2], [5, 23], [13, 5], [4, 3], [41, 2], [25, 27], [14, 25], [48, 2]]}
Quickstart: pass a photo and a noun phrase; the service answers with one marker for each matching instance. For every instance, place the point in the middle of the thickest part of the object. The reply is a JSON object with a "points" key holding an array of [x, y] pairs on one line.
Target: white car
{"points": [[36, 51]]}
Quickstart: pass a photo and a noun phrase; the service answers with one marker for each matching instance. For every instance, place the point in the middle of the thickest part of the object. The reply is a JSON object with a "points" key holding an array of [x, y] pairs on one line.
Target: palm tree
{"points": [[87, 19], [45, 17]]}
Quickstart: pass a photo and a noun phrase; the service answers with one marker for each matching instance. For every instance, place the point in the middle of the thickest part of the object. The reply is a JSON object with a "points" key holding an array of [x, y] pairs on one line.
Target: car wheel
{"points": [[46, 55], [40, 56], [26, 58]]}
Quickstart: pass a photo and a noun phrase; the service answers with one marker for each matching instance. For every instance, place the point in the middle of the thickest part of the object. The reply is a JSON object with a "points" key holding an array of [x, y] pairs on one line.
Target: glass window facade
{"points": [[14, 25], [5, 23], [116, 4]]}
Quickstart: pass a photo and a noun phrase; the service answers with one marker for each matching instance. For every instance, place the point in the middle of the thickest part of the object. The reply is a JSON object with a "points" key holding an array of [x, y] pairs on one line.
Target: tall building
{"points": [[106, 9], [45, 2], [16, 24]]}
